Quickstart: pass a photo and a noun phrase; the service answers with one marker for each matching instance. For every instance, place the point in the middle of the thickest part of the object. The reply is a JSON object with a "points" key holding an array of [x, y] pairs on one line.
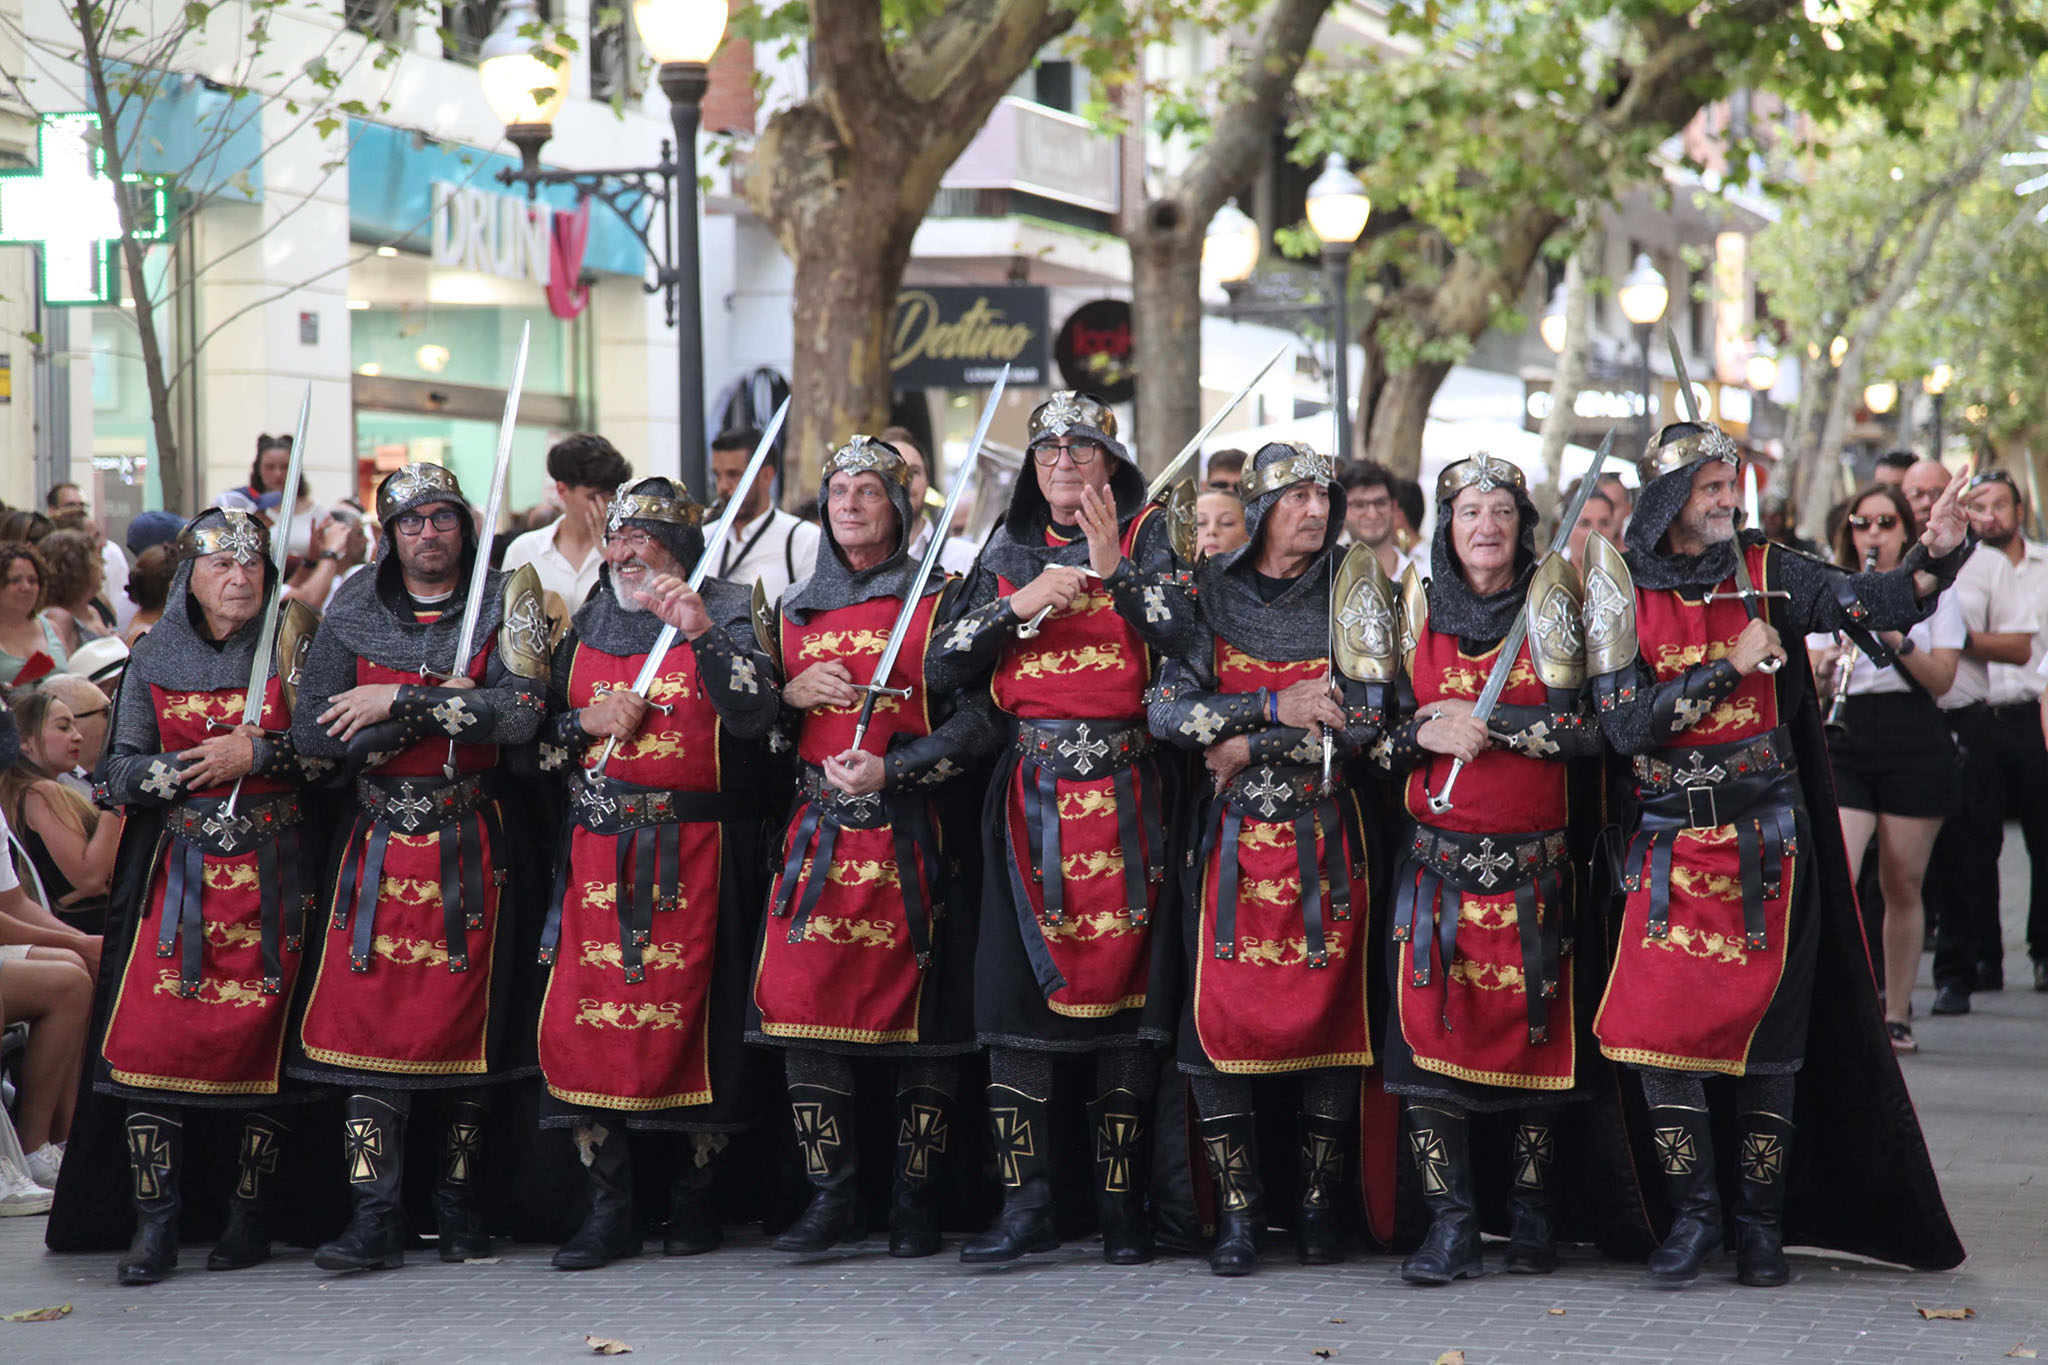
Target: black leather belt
{"points": [[1305, 809], [647, 878], [1444, 866], [412, 805], [1764, 810], [1271, 793], [1711, 775], [825, 810], [1081, 749], [202, 826]]}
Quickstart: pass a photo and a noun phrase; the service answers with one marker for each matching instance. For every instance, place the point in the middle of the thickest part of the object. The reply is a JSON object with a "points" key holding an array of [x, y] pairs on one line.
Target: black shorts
{"points": [[1896, 756]]}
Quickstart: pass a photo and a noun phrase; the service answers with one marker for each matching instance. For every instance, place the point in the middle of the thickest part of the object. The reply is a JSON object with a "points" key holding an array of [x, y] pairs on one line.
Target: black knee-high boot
{"points": [[1319, 1225], [693, 1227], [824, 1129], [1026, 1223], [156, 1151], [1685, 1151], [1440, 1143], [1532, 1238], [608, 1232], [1760, 1207], [1117, 1123], [458, 1220], [1231, 1143], [923, 1132], [245, 1241], [374, 1128]]}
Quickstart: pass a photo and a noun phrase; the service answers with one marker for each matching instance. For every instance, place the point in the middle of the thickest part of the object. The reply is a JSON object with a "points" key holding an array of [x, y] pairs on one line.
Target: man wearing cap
{"points": [[1070, 946], [1277, 897], [657, 895], [867, 949], [413, 992], [1739, 952], [1484, 921], [197, 1014]]}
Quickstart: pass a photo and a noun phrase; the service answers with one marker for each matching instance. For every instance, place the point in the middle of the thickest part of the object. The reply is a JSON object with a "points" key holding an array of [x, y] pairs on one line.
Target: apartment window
{"points": [[614, 54], [1053, 85], [466, 23], [378, 19]]}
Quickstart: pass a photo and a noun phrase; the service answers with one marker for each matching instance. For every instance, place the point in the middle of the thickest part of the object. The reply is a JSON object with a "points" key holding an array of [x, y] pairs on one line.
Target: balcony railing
{"points": [[1028, 148]]}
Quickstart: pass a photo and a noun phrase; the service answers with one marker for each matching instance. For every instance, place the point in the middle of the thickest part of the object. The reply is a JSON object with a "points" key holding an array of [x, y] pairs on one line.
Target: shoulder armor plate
{"points": [[1365, 622], [295, 626], [1414, 615], [1557, 641], [765, 633], [1180, 520], [523, 631], [1610, 608]]}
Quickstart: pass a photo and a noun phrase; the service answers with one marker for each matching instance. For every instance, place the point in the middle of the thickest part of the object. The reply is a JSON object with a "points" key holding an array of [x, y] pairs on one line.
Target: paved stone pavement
{"points": [[1978, 1081]]}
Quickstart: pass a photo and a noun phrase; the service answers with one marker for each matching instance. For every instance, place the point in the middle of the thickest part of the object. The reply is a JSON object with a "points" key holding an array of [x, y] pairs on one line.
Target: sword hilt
{"points": [[1329, 756], [595, 773], [234, 795], [1029, 630], [1441, 801], [1770, 665], [877, 690]]}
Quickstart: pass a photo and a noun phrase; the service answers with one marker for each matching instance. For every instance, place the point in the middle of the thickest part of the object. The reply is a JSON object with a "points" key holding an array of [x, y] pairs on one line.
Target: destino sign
{"points": [[960, 337]]}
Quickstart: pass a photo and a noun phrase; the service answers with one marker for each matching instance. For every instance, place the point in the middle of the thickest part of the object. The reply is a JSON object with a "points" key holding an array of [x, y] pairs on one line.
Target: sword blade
{"points": [[1187, 452], [280, 551], [878, 683], [487, 534], [1587, 482], [1692, 405]]}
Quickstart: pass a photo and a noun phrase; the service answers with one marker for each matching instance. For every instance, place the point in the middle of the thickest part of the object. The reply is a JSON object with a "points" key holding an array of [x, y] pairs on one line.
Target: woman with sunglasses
{"points": [[1895, 763]]}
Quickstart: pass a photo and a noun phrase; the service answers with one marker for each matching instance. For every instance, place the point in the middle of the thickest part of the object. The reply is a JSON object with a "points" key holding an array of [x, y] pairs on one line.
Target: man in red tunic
{"points": [[413, 989], [867, 947], [657, 896], [197, 1018], [1739, 952], [1278, 917], [1073, 826], [1481, 943]]}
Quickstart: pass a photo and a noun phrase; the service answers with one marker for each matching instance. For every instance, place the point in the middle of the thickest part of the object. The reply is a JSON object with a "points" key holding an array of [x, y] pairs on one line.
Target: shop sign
{"points": [[957, 337], [492, 234], [66, 205], [1094, 350]]}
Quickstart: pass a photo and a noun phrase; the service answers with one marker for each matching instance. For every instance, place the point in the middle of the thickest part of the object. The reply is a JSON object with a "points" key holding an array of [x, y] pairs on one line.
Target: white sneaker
{"points": [[43, 1164], [20, 1195]]}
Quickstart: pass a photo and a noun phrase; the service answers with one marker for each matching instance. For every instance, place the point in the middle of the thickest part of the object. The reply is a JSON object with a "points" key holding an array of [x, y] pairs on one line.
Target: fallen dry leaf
{"points": [[2022, 1351], [1451, 1358], [1557, 1312], [1950, 1313], [606, 1346], [38, 1314], [1336, 1319]]}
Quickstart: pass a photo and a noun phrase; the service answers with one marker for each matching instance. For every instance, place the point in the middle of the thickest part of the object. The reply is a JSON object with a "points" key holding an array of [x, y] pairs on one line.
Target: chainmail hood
{"points": [[1650, 561], [604, 625], [1296, 624], [1454, 608], [176, 652], [1018, 550], [405, 490], [833, 583]]}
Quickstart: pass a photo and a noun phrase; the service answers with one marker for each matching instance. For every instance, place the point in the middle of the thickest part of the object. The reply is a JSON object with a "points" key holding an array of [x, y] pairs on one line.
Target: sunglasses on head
{"points": [[1883, 521], [1994, 476]]}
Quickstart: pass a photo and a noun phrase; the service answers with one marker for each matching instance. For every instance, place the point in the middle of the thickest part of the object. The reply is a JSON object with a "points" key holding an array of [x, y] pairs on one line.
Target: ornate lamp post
{"points": [[1935, 386], [526, 86], [1337, 210], [1643, 296]]}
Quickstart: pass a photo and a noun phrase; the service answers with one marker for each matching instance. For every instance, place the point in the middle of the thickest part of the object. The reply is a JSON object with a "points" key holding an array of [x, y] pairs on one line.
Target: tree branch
{"points": [[959, 63]]}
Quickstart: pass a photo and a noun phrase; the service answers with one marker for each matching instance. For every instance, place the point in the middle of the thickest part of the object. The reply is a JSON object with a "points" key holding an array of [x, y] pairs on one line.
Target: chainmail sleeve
{"points": [[970, 733], [329, 669], [135, 771], [738, 677], [561, 740], [969, 634], [1825, 597], [1155, 592]]}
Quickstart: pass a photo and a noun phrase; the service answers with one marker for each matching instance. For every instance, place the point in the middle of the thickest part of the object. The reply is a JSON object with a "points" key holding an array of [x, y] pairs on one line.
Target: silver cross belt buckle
{"points": [[1488, 864], [409, 809], [1085, 752]]}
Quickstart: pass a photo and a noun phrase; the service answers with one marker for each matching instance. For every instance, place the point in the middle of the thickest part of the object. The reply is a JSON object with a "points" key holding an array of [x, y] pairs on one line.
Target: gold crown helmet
{"points": [[240, 534], [1685, 443], [1304, 465], [866, 455], [1067, 411], [414, 485], [628, 504], [1482, 471]]}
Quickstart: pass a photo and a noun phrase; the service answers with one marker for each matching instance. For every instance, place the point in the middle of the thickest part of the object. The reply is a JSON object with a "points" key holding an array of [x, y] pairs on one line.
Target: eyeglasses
{"points": [[1994, 476], [1080, 452], [88, 715], [412, 523], [632, 540], [1883, 521]]}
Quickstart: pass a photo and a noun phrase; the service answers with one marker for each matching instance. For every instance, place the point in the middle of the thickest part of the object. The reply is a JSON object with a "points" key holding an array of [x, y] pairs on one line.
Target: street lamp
{"points": [[1230, 251], [1552, 325], [1935, 386], [1337, 210], [1643, 296], [1880, 397], [526, 86], [1762, 370]]}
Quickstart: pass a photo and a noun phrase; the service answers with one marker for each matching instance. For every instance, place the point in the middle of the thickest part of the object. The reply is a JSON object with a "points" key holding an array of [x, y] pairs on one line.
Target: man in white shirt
{"points": [[767, 543], [568, 552], [1369, 519], [1961, 889]]}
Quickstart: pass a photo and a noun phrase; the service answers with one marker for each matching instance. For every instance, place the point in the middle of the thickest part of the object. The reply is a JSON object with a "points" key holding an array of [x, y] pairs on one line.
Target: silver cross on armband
{"points": [[1203, 724], [743, 675], [941, 772], [408, 807], [162, 781], [1085, 752], [1698, 774], [963, 632], [1266, 792], [1488, 864], [452, 716], [1155, 605]]}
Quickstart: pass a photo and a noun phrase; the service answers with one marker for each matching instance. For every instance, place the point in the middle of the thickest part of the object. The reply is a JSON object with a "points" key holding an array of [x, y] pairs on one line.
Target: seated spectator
{"points": [[101, 662], [112, 598], [72, 577], [149, 583], [70, 845], [92, 716], [29, 647], [19, 1194], [20, 524]]}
